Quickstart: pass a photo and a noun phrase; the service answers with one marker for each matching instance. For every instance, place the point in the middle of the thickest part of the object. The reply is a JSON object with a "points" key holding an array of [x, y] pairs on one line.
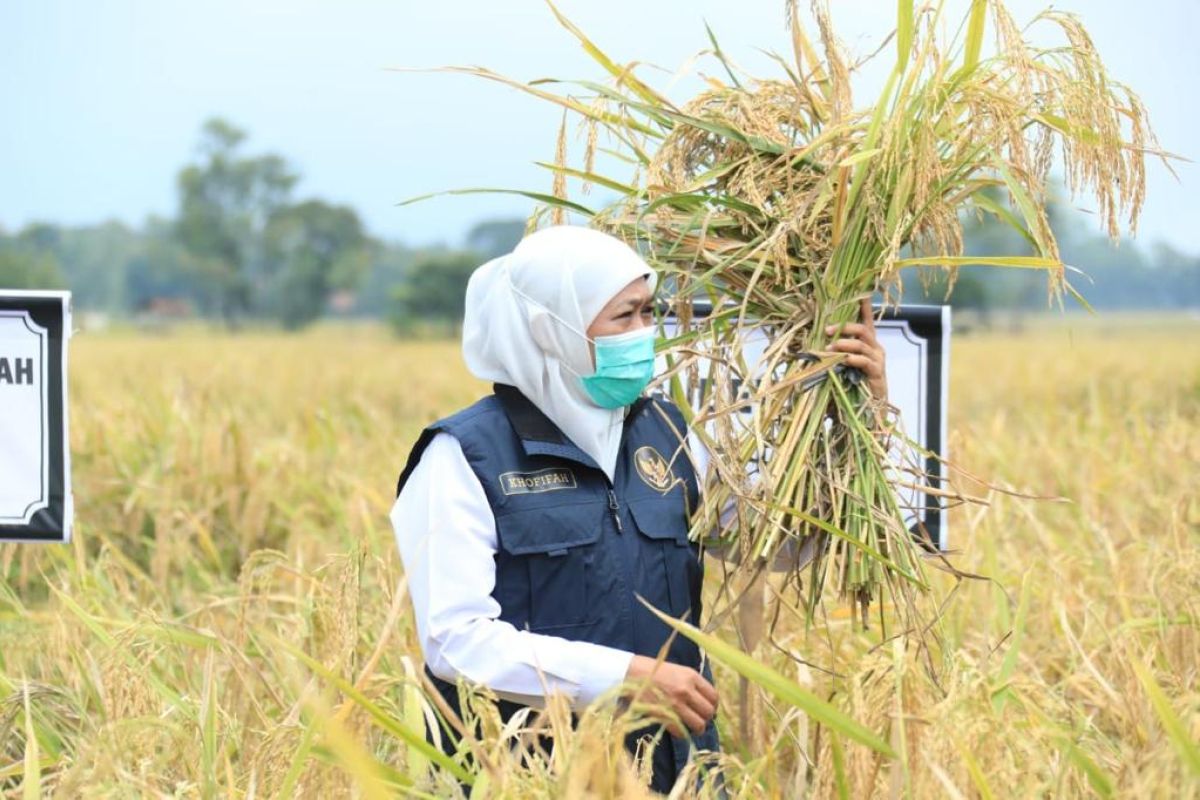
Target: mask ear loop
{"points": [[528, 299], [569, 326], [537, 330]]}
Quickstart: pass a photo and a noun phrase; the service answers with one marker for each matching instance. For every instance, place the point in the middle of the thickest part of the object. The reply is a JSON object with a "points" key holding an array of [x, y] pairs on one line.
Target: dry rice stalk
{"points": [[780, 204]]}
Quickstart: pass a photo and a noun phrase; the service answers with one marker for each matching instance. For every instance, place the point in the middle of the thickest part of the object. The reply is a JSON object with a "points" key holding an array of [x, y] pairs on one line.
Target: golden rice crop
{"points": [[230, 620]]}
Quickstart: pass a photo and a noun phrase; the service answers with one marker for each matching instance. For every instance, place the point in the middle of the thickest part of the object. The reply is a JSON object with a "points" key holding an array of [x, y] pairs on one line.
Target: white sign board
{"points": [[917, 342], [35, 461]]}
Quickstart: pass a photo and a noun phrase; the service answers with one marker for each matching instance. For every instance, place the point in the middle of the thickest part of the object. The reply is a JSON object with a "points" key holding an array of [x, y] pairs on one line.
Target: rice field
{"points": [[230, 619]]}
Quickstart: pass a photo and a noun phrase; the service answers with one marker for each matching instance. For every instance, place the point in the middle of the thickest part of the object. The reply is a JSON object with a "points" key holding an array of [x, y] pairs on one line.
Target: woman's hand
{"points": [[684, 690], [865, 352]]}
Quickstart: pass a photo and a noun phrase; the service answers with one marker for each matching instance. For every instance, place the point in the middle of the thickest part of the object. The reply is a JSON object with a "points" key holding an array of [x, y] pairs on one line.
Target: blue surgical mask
{"points": [[624, 362]]}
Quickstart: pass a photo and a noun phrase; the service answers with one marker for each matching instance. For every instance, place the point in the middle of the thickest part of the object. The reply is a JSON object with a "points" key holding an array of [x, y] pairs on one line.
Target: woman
{"points": [[529, 522]]}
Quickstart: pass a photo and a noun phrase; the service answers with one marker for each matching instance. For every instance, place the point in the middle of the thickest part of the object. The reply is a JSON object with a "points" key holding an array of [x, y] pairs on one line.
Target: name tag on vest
{"points": [[544, 480]]}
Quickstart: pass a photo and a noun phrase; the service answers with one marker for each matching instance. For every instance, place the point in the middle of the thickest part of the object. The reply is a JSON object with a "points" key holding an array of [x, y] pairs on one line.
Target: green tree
{"points": [[434, 292], [92, 258], [225, 203], [163, 268], [390, 263], [27, 260], [495, 237], [21, 268], [312, 249]]}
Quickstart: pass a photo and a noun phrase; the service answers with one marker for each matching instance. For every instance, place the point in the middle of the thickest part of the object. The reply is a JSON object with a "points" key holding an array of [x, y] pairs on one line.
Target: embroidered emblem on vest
{"points": [[544, 480], [653, 469]]}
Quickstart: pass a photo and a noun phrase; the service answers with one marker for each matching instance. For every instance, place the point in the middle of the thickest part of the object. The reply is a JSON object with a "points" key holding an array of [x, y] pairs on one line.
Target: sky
{"points": [[104, 101]]}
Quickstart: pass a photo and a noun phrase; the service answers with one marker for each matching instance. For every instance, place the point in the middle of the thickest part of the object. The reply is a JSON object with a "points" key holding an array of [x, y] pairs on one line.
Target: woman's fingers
{"points": [[707, 689], [867, 365], [855, 329], [696, 720], [849, 329], [693, 720], [862, 348], [861, 355], [868, 316], [700, 704], [852, 346]]}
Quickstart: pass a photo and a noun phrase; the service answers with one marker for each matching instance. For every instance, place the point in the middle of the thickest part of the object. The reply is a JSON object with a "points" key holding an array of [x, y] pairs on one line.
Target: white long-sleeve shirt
{"points": [[446, 533]]}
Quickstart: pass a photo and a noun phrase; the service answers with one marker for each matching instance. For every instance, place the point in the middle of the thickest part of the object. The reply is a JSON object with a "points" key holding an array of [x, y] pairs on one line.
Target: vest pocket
{"points": [[664, 520], [557, 546], [661, 517]]}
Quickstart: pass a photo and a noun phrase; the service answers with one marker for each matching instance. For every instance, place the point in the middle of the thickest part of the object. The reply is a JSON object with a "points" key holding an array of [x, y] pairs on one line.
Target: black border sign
{"points": [[917, 341], [924, 330], [43, 318]]}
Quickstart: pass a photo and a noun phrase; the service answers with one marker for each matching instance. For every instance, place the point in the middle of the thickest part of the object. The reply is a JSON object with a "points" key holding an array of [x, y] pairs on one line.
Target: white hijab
{"points": [[511, 333]]}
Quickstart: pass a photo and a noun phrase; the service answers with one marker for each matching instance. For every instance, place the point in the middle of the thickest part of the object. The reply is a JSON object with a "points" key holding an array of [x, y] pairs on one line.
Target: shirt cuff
{"points": [[607, 667], [583, 670]]}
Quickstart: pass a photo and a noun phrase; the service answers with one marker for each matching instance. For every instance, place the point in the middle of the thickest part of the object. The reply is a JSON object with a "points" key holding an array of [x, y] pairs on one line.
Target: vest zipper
{"points": [[616, 509]]}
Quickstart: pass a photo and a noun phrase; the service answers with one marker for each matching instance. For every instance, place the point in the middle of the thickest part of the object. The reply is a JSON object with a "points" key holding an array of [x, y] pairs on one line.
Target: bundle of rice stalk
{"points": [[781, 204]]}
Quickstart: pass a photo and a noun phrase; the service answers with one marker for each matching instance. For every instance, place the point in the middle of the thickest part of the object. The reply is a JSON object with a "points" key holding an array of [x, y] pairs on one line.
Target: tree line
{"points": [[241, 248], [1110, 277]]}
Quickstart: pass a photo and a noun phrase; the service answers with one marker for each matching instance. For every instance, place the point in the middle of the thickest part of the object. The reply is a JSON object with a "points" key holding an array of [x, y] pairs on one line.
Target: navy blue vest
{"points": [[575, 549]]}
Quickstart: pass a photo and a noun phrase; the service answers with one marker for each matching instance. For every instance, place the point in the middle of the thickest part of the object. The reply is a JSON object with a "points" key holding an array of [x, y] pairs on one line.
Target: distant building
{"points": [[342, 301], [159, 313]]}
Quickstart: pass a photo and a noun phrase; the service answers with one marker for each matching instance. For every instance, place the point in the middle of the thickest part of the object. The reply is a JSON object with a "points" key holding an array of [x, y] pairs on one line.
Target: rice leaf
{"points": [[414, 719], [988, 204], [208, 726], [1073, 131], [840, 781], [31, 779], [152, 673], [1100, 781], [1177, 732], [975, 26], [904, 33], [1022, 262], [787, 690], [590, 177], [1008, 666], [345, 751], [977, 776], [721, 56], [288, 785], [548, 199], [850, 161], [623, 74], [1034, 219], [384, 720], [616, 123]]}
